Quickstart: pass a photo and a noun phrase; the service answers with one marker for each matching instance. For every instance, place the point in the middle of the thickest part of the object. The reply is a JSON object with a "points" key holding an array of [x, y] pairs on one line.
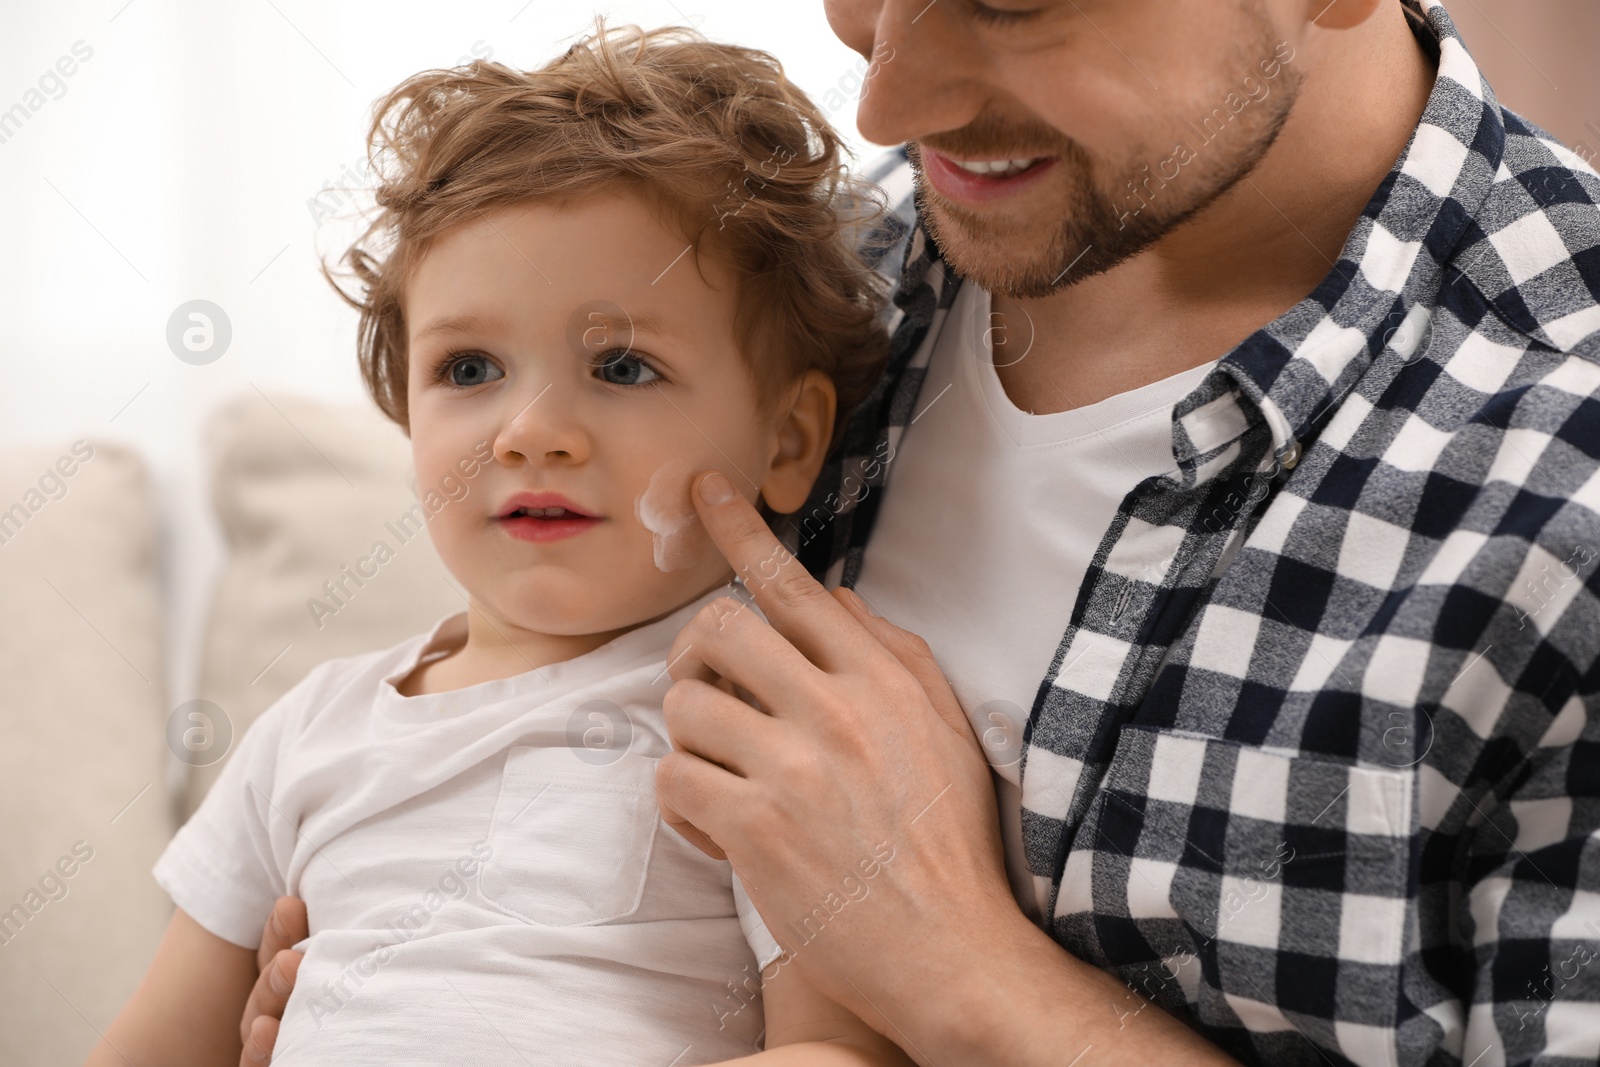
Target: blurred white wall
{"points": [[185, 156]]}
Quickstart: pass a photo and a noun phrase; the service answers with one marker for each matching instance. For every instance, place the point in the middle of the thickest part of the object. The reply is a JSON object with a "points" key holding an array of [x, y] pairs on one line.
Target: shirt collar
{"points": [[1379, 296]]}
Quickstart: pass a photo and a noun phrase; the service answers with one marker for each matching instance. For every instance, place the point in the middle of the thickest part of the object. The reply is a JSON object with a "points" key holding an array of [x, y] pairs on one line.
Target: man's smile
{"points": [[980, 180]]}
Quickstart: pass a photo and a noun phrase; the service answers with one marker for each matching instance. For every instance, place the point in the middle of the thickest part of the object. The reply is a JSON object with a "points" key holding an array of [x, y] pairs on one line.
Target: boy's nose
{"points": [[545, 426]]}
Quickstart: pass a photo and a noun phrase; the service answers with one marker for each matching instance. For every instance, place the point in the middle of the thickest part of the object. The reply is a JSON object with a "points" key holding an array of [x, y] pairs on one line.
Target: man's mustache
{"points": [[996, 138]]}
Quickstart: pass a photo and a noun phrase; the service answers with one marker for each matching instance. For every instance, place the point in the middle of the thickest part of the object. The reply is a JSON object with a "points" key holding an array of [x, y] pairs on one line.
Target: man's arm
{"points": [[185, 1012], [861, 744]]}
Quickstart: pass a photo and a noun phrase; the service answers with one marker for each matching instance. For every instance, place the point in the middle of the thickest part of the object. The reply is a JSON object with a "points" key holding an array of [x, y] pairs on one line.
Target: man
{"points": [[1239, 460]]}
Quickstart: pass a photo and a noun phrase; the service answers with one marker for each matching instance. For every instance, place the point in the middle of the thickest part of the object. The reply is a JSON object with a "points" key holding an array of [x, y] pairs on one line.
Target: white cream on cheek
{"points": [[664, 509]]}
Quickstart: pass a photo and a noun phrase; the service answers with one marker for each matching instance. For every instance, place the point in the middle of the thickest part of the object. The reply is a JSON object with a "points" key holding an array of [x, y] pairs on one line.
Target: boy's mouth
{"points": [[543, 517]]}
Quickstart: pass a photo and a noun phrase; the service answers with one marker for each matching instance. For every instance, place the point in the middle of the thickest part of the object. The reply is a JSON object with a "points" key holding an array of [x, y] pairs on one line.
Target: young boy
{"points": [[594, 279]]}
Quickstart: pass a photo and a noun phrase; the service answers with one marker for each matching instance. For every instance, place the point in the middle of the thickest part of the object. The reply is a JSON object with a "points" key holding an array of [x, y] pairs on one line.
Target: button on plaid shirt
{"points": [[1316, 766]]}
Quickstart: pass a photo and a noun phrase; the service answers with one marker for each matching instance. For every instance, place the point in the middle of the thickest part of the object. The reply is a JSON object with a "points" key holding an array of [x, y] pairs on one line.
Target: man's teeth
{"points": [[1001, 168]]}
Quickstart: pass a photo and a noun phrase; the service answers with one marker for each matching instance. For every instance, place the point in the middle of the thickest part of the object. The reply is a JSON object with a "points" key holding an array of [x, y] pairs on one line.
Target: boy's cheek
{"points": [[678, 540]]}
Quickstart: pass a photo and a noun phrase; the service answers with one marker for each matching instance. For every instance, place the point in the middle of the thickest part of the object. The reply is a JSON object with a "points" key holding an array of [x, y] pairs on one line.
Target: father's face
{"points": [[1052, 139]]}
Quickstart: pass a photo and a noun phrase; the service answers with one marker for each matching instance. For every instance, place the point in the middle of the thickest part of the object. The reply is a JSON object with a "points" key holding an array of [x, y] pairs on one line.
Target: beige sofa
{"points": [[100, 758]]}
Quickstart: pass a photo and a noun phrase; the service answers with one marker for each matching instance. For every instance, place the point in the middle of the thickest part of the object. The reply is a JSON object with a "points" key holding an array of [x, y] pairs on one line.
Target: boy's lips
{"points": [[545, 504], [543, 517]]}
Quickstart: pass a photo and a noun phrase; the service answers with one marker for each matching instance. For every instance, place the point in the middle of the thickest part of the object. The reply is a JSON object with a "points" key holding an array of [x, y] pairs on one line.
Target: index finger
{"points": [[795, 603]]}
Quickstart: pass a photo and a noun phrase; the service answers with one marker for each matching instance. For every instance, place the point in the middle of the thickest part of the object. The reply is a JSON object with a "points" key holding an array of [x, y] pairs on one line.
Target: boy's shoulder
{"points": [[335, 682], [365, 664]]}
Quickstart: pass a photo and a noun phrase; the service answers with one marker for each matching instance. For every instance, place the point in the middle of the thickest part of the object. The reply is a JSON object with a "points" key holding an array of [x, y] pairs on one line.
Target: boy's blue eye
{"points": [[465, 371], [621, 367]]}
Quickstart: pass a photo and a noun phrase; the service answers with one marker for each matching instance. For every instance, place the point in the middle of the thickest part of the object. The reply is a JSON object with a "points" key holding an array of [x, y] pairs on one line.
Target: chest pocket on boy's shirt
{"points": [[571, 840]]}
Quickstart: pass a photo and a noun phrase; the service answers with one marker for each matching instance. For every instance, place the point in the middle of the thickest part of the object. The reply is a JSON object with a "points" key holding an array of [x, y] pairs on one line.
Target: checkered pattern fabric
{"points": [[1316, 766]]}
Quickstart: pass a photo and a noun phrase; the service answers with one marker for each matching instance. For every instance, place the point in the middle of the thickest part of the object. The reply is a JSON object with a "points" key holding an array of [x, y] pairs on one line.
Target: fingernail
{"points": [[868, 608], [716, 489]]}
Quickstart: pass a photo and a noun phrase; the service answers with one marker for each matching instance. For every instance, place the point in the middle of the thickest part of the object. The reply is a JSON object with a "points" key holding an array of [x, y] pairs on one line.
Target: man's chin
{"points": [[992, 252], [1026, 259], [1014, 261]]}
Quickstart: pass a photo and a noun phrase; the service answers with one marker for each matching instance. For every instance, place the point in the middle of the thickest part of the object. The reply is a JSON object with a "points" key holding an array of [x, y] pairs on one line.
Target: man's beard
{"points": [[1101, 221]]}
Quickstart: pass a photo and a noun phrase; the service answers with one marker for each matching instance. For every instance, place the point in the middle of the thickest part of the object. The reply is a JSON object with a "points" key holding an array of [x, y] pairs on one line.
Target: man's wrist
{"points": [[969, 1008], [1016, 998]]}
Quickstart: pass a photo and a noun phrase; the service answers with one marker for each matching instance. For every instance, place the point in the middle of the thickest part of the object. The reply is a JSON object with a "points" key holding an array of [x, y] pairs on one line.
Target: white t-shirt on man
{"points": [[485, 871], [988, 522]]}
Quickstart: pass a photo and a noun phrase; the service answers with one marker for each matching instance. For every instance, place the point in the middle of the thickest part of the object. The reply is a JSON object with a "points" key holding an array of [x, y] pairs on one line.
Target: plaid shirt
{"points": [[1316, 766]]}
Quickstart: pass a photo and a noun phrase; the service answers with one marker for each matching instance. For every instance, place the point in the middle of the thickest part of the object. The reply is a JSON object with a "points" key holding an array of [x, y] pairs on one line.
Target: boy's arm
{"points": [[185, 1012], [809, 1029]]}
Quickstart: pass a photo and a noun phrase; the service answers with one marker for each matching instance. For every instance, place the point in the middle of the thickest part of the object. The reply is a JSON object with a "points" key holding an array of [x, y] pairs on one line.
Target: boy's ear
{"points": [[805, 426]]}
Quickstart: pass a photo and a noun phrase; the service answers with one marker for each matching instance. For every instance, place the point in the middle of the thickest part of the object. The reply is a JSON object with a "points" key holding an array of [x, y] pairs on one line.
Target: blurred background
{"points": [[154, 153]]}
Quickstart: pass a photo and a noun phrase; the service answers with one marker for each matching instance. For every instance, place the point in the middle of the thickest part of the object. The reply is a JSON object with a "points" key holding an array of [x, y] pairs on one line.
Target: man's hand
{"points": [[859, 811], [861, 782], [278, 965]]}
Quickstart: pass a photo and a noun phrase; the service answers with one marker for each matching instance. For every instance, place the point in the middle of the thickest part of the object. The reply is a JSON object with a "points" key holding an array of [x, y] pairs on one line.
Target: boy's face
{"points": [[583, 344]]}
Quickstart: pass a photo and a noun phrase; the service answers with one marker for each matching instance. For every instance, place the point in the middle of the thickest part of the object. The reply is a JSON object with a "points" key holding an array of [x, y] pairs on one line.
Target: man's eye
{"points": [[464, 371], [621, 367]]}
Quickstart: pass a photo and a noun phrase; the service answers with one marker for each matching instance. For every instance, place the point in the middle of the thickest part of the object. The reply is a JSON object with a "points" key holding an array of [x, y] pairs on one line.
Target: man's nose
{"points": [[923, 77], [548, 424]]}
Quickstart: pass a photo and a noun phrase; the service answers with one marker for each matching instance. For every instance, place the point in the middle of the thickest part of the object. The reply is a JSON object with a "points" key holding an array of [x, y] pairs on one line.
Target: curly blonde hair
{"points": [[714, 134]]}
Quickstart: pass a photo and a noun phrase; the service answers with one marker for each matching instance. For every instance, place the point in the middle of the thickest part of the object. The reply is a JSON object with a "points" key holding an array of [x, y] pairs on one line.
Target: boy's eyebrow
{"points": [[452, 324], [469, 323], [653, 324]]}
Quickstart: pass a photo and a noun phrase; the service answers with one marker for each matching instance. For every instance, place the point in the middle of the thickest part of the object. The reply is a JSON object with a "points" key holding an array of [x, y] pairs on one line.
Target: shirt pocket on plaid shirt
{"points": [[1273, 887]]}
